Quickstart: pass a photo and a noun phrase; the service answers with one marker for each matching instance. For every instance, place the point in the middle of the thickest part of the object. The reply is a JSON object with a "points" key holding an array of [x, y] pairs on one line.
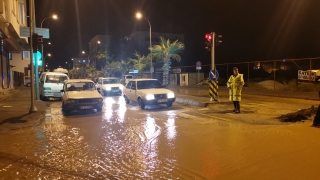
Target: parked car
{"points": [[148, 92], [125, 79], [80, 94], [109, 85], [51, 84]]}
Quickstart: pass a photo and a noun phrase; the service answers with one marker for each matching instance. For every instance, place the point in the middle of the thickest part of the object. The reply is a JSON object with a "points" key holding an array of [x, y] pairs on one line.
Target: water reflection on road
{"points": [[124, 142]]}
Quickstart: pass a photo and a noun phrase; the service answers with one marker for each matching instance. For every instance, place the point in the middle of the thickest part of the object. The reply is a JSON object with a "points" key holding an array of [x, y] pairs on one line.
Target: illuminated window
{"points": [[22, 14], [25, 54]]}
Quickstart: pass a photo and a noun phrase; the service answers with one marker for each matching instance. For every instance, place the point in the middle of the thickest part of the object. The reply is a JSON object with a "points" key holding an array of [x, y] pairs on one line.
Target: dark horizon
{"points": [[251, 30]]}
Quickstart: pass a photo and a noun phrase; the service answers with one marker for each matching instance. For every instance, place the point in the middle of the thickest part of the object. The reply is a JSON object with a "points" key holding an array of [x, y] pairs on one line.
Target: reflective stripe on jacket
{"points": [[235, 84]]}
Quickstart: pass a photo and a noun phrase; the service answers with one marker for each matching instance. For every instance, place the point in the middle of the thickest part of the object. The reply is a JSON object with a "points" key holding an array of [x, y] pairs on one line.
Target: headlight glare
{"points": [[108, 88], [170, 95], [149, 96]]}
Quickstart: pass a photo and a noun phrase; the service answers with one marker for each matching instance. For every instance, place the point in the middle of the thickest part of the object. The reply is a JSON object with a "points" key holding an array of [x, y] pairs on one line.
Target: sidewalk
{"points": [[14, 110], [199, 96]]}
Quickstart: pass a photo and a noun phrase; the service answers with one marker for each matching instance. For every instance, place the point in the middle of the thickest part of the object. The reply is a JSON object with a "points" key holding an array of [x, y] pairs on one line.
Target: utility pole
{"points": [[33, 108]]}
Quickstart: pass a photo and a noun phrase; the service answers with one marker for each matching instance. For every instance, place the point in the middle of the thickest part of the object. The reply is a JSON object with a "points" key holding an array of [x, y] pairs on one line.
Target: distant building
{"points": [[80, 60], [99, 43]]}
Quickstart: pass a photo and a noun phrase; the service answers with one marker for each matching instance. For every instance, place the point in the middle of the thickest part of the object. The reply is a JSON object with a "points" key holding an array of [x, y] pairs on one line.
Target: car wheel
{"points": [[127, 100], [141, 104], [99, 109], [28, 85], [64, 111], [169, 104]]}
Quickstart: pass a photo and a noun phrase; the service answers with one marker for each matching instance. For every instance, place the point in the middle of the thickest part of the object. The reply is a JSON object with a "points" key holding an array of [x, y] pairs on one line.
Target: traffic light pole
{"points": [[212, 50], [33, 108]]}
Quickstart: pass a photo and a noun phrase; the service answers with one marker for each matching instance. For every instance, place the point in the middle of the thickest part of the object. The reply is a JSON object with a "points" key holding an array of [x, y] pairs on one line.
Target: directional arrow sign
{"points": [[213, 75]]}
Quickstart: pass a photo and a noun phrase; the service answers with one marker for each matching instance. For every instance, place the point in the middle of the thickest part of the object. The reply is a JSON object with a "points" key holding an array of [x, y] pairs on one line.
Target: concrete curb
{"points": [[7, 96], [190, 102]]}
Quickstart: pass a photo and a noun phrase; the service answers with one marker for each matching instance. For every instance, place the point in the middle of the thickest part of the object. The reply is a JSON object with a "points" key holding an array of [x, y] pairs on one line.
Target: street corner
{"points": [[6, 94]]}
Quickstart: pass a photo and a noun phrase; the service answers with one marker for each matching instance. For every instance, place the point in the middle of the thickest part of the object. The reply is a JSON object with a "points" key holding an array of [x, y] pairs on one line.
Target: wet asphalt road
{"points": [[124, 142]]}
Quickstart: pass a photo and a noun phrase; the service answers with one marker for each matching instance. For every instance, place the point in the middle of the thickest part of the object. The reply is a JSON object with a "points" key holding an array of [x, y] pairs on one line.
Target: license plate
{"points": [[163, 100], [56, 94], [85, 107]]}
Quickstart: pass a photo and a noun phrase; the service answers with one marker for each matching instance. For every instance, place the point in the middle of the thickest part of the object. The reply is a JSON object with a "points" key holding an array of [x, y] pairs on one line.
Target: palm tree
{"points": [[166, 52], [140, 62]]}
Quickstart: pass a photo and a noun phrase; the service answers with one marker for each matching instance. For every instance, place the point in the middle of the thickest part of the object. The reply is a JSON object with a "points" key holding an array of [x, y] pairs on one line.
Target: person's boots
{"points": [[238, 107], [235, 106], [316, 120]]}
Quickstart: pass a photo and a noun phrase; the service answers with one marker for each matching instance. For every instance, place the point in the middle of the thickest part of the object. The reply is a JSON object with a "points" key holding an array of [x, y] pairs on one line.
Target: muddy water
{"points": [[124, 142]]}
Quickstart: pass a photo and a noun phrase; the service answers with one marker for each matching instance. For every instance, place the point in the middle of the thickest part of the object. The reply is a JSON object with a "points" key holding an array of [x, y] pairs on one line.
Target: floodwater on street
{"points": [[125, 142]]}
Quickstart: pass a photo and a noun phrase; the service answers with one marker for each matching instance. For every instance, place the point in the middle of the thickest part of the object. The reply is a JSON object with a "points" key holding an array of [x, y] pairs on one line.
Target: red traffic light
{"points": [[209, 37], [39, 39]]}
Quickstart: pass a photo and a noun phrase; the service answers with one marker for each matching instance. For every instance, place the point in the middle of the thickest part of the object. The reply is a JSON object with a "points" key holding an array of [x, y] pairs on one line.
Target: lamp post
{"points": [[72, 63], [68, 64], [139, 16], [53, 17], [105, 48], [83, 52]]}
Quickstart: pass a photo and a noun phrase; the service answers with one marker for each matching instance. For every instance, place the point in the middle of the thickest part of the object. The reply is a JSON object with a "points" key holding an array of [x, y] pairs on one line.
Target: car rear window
{"points": [[149, 84], [56, 78]]}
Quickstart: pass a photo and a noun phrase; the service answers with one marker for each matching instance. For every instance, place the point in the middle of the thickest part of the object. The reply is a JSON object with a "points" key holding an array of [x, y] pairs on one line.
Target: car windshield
{"points": [[80, 86], [110, 81], [149, 84], [56, 78]]}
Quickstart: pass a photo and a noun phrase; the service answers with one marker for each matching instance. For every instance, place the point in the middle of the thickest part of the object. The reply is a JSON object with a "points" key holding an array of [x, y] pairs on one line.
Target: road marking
{"points": [[215, 117]]}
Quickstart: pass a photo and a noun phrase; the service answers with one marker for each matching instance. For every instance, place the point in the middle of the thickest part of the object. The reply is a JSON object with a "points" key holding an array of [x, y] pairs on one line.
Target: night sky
{"points": [[252, 30]]}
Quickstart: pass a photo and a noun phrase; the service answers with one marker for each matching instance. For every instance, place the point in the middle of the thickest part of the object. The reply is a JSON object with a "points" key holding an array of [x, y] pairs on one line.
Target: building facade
{"points": [[12, 16], [99, 43]]}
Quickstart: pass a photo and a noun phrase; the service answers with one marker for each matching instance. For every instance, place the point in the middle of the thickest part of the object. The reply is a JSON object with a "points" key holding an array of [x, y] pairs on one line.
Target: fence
{"points": [[255, 71]]}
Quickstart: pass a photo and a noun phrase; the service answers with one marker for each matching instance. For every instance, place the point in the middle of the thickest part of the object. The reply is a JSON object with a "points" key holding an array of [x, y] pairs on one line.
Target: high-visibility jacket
{"points": [[235, 85]]}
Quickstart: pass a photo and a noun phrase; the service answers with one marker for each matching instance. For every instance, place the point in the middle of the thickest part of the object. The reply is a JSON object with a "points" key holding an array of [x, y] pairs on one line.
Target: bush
{"points": [[306, 87]]}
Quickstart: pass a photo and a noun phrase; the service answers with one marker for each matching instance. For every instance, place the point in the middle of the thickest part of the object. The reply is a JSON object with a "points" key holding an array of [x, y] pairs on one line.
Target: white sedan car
{"points": [[147, 92], [80, 94], [110, 85]]}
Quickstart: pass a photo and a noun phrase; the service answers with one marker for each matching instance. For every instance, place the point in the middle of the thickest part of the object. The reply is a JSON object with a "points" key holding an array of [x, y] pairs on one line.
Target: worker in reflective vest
{"points": [[235, 85]]}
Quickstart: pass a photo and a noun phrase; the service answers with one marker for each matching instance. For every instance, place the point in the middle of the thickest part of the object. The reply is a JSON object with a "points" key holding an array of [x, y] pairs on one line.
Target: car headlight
{"points": [[70, 101], [121, 87], [149, 96], [108, 88], [170, 95]]}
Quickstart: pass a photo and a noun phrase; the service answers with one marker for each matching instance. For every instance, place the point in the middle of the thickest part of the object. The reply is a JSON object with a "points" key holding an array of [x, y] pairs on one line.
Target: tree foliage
{"points": [[166, 52]]}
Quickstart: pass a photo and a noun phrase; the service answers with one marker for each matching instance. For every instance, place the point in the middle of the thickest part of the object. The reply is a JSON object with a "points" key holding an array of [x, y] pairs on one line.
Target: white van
{"points": [[51, 84], [61, 70]]}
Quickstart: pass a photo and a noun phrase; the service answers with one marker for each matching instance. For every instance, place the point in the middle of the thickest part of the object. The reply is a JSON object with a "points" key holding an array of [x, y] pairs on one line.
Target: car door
{"points": [[133, 91], [127, 89]]}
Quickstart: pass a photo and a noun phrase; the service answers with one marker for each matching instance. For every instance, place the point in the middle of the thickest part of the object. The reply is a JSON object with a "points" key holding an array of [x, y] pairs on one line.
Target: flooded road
{"points": [[124, 142]]}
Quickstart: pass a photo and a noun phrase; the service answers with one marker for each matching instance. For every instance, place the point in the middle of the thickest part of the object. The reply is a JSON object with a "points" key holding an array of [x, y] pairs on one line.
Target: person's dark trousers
{"points": [[236, 105]]}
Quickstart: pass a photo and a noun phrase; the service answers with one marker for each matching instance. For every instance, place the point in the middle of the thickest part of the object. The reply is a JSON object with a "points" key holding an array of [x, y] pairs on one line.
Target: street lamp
{"points": [[83, 52], [105, 48], [68, 64], [139, 16], [54, 16]]}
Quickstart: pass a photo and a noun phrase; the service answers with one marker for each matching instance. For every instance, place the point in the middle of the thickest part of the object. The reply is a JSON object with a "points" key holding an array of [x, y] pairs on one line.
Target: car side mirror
{"points": [[98, 89], [61, 90]]}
